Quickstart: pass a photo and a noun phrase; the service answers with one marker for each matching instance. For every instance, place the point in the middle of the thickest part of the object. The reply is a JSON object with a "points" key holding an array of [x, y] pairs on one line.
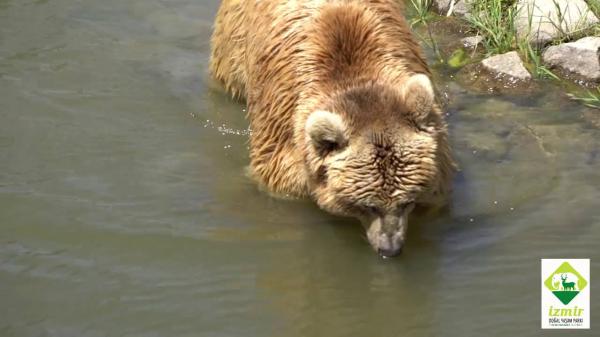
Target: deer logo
{"points": [[567, 285], [565, 282]]}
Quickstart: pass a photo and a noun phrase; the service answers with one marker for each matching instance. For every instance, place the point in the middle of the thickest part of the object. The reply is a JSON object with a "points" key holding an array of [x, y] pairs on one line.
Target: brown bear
{"points": [[341, 107]]}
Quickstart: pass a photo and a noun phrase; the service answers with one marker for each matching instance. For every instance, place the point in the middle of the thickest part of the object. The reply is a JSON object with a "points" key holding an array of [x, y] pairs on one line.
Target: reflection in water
{"points": [[125, 210]]}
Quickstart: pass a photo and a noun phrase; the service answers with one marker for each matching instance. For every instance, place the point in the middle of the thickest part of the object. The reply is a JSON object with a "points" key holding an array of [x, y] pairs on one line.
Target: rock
{"points": [[461, 7], [581, 58], [441, 6], [472, 41], [551, 19], [476, 78], [592, 116], [507, 65]]}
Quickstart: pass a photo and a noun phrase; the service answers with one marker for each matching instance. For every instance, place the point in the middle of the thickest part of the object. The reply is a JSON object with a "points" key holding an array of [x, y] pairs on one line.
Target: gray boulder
{"points": [[581, 58], [551, 19], [507, 65], [461, 7], [472, 41]]}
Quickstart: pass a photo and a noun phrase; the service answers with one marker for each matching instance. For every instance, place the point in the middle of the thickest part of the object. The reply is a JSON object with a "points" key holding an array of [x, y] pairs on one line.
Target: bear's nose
{"points": [[388, 245], [390, 252]]}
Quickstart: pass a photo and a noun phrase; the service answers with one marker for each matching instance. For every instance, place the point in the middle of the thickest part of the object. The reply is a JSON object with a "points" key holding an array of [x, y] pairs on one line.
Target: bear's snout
{"points": [[387, 233], [389, 245]]}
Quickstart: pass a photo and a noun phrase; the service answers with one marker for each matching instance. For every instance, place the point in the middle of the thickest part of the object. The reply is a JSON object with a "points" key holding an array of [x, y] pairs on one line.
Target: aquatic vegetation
{"points": [[590, 98], [421, 17], [458, 58]]}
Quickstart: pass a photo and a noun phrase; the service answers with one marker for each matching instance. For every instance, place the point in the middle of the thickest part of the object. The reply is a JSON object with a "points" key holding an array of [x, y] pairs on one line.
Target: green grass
{"points": [[495, 21], [594, 6], [532, 56], [422, 11], [580, 29], [590, 98]]}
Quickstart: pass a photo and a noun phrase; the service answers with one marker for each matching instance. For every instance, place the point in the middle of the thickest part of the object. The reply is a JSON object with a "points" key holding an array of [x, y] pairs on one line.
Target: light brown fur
{"points": [[289, 59]]}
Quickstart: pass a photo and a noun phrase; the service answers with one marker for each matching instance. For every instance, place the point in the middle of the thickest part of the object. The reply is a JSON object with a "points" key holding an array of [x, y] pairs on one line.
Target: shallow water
{"points": [[124, 209]]}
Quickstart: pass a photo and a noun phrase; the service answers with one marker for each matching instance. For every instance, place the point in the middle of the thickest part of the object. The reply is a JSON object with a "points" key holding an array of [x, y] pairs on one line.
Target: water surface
{"points": [[124, 209]]}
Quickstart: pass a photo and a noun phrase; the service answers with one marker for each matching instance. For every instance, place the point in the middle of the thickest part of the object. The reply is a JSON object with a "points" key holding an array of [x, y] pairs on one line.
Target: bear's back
{"points": [[258, 42], [286, 57]]}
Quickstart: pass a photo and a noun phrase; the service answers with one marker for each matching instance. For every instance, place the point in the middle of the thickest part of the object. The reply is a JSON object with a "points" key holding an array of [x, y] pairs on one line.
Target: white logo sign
{"points": [[565, 293]]}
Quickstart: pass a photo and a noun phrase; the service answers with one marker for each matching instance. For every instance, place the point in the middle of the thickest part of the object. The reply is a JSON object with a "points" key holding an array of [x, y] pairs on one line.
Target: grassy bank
{"points": [[496, 22]]}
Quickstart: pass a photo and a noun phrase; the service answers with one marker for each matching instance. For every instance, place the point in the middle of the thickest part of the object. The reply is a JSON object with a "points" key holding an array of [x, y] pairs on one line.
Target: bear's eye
{"points": [[326, 131], [327, 146], [420, 126], [371, 209], [404, 206]]}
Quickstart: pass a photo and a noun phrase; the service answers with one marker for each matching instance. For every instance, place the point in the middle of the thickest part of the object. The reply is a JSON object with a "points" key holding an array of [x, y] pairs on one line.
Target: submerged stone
{"points": [[507, 65], [581, 58], [592, 116], [472, 41], [541, 21]]}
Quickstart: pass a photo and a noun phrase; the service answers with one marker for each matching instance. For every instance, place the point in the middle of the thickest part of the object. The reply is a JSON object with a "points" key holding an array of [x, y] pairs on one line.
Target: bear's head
{"points": [[371, 152]]}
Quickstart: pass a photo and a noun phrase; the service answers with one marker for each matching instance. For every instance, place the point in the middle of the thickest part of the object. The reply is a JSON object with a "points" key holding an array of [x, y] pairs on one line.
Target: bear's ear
{"points": [[418, 96], [326, 131]]}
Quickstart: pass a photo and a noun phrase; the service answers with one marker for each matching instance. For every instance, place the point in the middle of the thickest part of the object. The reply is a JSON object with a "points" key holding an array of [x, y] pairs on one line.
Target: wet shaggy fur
{"points": [[376, 140]]}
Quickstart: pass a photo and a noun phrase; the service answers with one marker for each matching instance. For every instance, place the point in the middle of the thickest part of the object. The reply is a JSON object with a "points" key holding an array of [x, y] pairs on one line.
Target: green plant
{"points": [[532, 57], [560, 20], [590, 98], [422, 13], [431, 43], [595, 6], [577, 29], [495, 21], [458, 58], [421, 17]]}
